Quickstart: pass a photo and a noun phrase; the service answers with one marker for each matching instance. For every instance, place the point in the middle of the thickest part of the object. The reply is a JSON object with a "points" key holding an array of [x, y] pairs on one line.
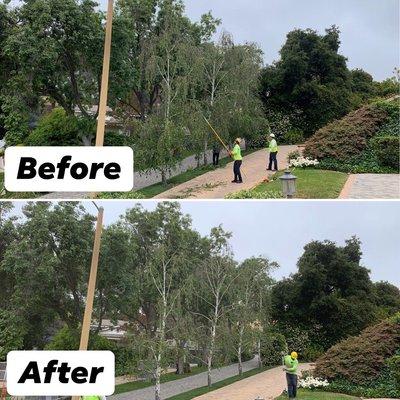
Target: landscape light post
{"points": [[288, 184]]}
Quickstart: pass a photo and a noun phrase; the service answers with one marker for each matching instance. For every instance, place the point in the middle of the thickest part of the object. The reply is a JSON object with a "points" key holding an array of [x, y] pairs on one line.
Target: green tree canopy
{"points": [[331, 295], [311, 81]]}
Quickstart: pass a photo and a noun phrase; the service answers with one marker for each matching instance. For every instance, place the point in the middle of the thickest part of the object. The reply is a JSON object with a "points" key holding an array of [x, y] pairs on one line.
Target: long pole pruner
{"points": [[216, 134]]}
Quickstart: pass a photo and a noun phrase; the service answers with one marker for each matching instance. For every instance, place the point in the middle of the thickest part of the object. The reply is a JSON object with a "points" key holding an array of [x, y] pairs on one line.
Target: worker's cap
{"points": [[294, 355], [272, 135], [238, 140]]}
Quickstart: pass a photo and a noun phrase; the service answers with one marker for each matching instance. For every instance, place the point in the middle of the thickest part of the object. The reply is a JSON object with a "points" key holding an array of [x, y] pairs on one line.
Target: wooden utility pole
{"points": [[101, 122], [101, 119], [91, 285], [92, 282]]}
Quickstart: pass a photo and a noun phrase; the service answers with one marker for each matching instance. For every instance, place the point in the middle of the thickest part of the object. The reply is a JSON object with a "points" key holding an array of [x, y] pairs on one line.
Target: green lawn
{"points": [[311, 184], [311, 395], [128, 387], [203, 390]]}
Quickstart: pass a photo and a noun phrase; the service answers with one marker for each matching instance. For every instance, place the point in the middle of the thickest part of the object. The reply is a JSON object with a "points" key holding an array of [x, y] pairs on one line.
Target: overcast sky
{"points": [[370, 28], [279, 230]]}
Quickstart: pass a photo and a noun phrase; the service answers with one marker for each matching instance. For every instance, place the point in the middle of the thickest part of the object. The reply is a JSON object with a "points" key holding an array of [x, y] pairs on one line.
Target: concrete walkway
{"points": [[143, 179], [372, 186], [267, 385], [217, 184], [183, 385]]}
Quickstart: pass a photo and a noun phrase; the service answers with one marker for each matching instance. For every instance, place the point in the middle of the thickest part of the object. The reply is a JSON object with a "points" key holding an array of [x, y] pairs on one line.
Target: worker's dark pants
{"points": [[273, 160], [215, 159], [292, 385], [236, 171]]}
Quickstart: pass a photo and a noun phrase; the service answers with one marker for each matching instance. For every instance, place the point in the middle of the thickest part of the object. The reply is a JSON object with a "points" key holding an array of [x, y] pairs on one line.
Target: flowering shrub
{"points": [[313, 383], [302, 162]]}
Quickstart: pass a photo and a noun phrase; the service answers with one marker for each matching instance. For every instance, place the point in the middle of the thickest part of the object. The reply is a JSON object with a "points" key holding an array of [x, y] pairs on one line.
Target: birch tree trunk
{"points": [[259, 353], [239, 355]]}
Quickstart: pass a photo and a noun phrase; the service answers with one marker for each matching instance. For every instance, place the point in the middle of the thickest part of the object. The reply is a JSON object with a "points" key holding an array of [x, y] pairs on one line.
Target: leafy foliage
{"points": [[361, 359], [68, 339], [386, 149], [311, 82], [349, 136], [60, 129], [366, 140], [331, 296]]}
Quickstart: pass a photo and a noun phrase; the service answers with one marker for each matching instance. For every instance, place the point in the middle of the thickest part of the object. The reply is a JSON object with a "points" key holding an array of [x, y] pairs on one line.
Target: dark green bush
{"points": [[394, 366], [293, 137], [68, 339], [367, 162], [114, 139], [312, 352], [383, 386], [258, 142], [273, 346], [60, 129], [386, 149]]}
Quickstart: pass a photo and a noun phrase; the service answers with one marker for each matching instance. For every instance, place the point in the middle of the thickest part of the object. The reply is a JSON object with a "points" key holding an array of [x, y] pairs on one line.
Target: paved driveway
{"points": [[372, 186], [217, 184], [267, 386]]}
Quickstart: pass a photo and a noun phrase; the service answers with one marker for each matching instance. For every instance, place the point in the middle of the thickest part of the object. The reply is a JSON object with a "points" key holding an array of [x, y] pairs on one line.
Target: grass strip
{"points": [[171, 376], [218, 385]]}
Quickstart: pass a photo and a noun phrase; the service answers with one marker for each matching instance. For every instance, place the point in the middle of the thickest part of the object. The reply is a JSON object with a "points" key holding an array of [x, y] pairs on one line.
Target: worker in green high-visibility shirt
{"points": [[273, 153], [291, 364], [236, 154]]}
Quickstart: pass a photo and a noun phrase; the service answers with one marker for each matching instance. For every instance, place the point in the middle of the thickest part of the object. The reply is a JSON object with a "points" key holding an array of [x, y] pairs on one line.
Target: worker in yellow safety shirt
{"points": [[236, 154], [290, 367], [273, 153]]}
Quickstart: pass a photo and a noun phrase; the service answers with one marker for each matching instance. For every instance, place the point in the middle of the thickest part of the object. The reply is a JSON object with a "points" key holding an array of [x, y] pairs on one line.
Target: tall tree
{"points": [[310, 82], [249, 292], [214, 279], [331, 292], [48, 264]]}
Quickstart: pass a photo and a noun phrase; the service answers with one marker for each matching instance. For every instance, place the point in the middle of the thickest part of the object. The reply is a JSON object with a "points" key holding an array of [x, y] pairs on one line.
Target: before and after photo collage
{"points": [[199, 199]]}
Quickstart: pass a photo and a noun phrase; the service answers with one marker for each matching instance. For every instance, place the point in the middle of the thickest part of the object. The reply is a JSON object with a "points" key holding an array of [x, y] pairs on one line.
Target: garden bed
{"points": [[311, 395]]}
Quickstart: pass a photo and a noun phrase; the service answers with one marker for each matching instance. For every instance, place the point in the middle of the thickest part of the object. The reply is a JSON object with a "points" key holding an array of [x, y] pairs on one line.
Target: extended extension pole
{"points": [[222, 142], [216, 134], [91, 285]]}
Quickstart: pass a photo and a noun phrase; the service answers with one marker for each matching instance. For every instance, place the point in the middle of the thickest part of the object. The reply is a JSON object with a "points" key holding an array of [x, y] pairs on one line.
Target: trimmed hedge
{"points": [[361, 359], [347, 137], [350, 136]]}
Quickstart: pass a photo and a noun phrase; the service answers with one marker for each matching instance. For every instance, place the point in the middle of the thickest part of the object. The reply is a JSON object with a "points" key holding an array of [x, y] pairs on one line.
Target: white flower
{"points": [[312, 383], [301, 162]]}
